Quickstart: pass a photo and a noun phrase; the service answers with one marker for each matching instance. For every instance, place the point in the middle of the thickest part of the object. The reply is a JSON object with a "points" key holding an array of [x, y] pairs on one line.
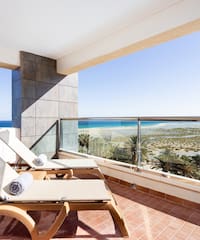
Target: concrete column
{"points": [[41, 96]]}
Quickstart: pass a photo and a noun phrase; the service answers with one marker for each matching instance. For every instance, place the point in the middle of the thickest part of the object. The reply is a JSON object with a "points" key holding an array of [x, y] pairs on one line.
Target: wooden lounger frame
{"points": [[19, 211], [67, 173]]}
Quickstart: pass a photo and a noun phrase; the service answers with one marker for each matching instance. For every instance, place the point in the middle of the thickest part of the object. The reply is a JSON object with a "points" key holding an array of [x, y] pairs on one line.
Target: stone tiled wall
{"points": [[41, 96]]}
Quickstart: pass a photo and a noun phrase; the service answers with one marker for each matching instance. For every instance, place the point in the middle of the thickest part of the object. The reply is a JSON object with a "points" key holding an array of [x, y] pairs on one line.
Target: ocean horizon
{"points": [[120, 123], [6, 123], [113, 123], [98, 123], [129, 123]]}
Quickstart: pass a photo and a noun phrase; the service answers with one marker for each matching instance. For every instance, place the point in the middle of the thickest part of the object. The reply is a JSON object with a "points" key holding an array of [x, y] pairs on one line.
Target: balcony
{"points": [[158, 197], [160, 154]]}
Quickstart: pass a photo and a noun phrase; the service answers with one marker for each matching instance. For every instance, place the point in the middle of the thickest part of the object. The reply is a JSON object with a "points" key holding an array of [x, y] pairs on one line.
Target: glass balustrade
{"points": [[48, 143], [107, 138], [165, 144]]}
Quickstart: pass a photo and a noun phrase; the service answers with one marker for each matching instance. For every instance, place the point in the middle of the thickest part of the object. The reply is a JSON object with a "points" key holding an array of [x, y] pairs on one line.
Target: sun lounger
{"points": [[51, 166], [58, 195]]}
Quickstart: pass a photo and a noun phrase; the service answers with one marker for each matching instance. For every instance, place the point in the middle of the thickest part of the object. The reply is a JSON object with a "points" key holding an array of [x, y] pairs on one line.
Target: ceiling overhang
{"points": [[65, 65], [154, 22]]}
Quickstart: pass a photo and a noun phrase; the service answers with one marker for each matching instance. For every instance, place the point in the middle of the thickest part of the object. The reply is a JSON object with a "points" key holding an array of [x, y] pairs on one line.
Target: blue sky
{"points": [[160, 81], [5, 94]]}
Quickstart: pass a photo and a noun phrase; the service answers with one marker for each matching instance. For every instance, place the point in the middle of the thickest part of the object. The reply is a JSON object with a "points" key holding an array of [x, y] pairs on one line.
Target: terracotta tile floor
{"points": [[147, 217]]}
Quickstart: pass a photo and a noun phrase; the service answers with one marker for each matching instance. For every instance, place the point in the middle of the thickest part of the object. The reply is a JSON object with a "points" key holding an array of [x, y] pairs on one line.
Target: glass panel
{"points": [[47, 144], [171, 146], [69, 135], [109, 138]]}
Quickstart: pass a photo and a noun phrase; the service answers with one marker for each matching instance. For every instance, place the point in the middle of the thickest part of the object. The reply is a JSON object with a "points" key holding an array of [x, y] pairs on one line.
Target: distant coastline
{"points": [[5, 124]]}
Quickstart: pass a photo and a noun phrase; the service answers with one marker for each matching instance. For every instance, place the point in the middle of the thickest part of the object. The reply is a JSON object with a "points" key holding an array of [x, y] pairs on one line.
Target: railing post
{"points": [[139, 143], [58, 137]]}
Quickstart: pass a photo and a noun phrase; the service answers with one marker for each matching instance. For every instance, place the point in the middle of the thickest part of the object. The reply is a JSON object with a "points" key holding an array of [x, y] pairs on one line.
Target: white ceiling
{"points": [[66, 29]]}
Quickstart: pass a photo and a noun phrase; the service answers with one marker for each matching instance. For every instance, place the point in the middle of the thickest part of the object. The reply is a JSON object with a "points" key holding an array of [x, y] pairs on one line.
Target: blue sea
{"points": [[113, 123], [5, 124], [117, 123], [96, 123]]}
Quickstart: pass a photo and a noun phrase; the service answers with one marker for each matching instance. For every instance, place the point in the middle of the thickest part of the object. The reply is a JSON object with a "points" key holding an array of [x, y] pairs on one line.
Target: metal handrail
{"points": [[141, 118]]}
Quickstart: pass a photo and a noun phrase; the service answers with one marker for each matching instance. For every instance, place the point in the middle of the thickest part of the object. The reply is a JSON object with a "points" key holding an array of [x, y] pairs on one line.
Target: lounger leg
{"points": [[69, 174], [99, 173], [118, 219], [57, 223], [22, 216]]}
